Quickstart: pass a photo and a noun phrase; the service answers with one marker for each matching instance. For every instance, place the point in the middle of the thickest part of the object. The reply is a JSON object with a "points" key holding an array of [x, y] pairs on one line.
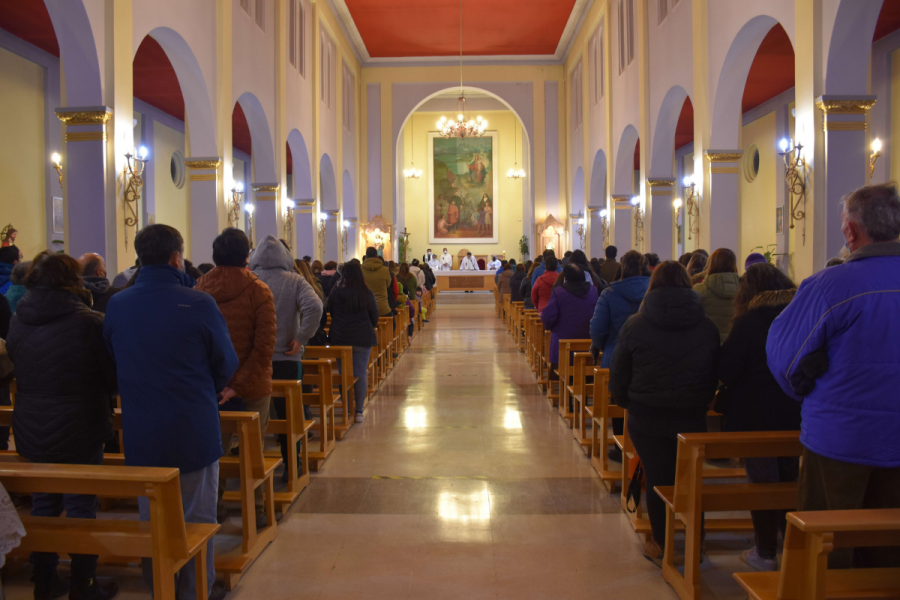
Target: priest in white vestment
{"points": [[494, 264], [468, 263]]}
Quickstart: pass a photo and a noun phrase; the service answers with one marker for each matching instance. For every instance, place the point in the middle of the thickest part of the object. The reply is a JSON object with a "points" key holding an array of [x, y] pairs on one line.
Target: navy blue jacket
{"points": [[851, 313], [173, 355], [615, 305]]}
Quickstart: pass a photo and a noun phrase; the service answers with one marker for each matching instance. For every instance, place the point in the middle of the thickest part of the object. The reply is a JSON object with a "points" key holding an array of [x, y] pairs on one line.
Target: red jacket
{"points": [[542, 288]]}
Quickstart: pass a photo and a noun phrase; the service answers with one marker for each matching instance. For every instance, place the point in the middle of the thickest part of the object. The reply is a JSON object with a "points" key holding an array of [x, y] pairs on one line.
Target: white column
{"points": [[598, 228], [265, 217], [204, 206], [723, 200], [305, 228], [623, 223], [658, 217]]}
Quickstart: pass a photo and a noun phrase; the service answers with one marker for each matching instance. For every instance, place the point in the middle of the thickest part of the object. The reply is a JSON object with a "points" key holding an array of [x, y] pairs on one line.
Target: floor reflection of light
{"points": [[465, 508], [415, 417], [512, 420]]}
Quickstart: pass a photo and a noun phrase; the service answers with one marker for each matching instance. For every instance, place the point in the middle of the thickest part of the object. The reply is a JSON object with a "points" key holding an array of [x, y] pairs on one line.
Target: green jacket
{"points": [[378, 277], [717, 294]]}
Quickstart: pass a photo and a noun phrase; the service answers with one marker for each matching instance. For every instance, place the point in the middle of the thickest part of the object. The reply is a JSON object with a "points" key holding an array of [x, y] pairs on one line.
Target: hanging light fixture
{"points": [[412, 172], [464, 126], [516, 173]]}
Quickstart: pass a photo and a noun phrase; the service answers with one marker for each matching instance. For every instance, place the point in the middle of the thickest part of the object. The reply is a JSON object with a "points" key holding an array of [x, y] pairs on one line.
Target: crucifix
{"points": [[405, 246]]}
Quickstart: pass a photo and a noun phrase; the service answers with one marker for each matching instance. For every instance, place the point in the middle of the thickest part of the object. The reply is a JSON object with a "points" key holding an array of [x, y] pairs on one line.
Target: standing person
{"points": [[249, 310], [565, 259], [494, 264], [157, 326], [579, 258], [835, 349], [428, 256], [525, 287], [685, 259], [468, 263], [615, 306], [543, 285], [17, 284], [416, 270], [718, 289], [62, 412], [652, 260], [9, 257], [609, 268], [752, 399], [446, 261], [329, 277], [503, 281], [515, 284], [430, 279], [298, 309], [94, 278], [664, 372], [317, 267], [539, 270], [380, 281], [354, 316], [122, 279], [696, 266], [409, 282], [754, 258]]}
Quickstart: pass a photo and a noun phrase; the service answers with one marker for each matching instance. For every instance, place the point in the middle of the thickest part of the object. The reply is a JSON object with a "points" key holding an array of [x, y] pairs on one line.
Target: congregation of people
{"points": [[177, 344], [704, 333]]}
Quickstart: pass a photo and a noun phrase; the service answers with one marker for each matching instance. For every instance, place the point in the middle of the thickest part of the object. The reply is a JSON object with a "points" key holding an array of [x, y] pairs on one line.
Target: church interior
{"points": [[492, 461]]}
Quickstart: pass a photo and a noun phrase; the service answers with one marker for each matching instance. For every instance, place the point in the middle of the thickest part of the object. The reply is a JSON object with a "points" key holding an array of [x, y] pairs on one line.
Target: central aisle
{"points": [[462, 484]]}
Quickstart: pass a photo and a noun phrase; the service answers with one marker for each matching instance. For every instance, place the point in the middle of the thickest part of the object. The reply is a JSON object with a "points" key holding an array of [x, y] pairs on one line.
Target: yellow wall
{"points": [[172, 204], [22, 159], [758, 196], [509, 195]]}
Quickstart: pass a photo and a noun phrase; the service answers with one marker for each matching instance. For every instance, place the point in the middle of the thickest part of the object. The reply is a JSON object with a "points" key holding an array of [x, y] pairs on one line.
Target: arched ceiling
{"points": [[772, 71], [155, 81]]}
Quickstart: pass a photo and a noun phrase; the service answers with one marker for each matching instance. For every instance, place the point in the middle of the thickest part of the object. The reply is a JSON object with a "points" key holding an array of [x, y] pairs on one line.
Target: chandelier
{"points": [[516, 173], [464, 126], [412, 172]]}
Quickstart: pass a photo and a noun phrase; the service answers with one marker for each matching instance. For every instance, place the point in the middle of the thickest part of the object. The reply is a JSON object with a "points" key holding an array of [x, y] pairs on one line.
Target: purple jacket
{"points": [[568, 314]]}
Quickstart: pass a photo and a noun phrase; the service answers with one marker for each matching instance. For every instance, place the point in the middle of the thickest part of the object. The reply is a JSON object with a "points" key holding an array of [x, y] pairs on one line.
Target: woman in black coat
{"points": [[753, 401], [354, 316], [664, 371], [515, 284], [65, 377]]}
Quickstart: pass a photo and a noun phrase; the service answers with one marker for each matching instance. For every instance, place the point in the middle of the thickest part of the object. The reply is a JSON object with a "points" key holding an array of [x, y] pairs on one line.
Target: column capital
{"points": [[622, 201], [724, 155], [845, 105], [264, 187], [661, 182], [84, 115], [205, 162]]}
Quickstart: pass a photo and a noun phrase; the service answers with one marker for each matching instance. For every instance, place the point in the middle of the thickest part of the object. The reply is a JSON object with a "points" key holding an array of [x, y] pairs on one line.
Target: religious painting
{"points": [[779, 220], [59, 225], [462, 207]]}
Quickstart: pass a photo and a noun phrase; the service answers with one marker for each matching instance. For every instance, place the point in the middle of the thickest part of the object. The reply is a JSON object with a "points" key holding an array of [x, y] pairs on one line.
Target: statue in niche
{"points": [[8, 236]]}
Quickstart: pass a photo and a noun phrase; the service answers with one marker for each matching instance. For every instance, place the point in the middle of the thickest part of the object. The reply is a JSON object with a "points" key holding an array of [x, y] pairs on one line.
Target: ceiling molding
{"points": [[573, 27]]}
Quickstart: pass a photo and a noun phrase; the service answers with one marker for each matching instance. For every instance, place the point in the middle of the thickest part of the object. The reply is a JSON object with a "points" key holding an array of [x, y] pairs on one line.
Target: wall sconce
{"points": [[795, 176], [57, 164], [676, 204], [692, 204], [133, 174], [876, 152], [322, 218], [345, 228], [289, 223], [249, 209], [638, 222], [578, 221], [234, 205], [604, 226]]}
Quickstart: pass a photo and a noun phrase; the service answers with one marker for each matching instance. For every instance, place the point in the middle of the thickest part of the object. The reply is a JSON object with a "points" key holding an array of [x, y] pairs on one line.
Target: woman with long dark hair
{"points": [[719, 286], [525, 286], [580, 258], [354, 316]]}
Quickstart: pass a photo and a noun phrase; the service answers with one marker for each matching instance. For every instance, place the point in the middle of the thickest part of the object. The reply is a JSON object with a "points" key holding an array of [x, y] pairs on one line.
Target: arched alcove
{"points": [[77, 51], [663, 149], [261, 138], [623, 183], [303, 188], [847, 70]]}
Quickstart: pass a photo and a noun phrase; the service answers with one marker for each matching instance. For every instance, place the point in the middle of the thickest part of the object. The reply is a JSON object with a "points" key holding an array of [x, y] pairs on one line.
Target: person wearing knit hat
{"points": [[753, 259]]}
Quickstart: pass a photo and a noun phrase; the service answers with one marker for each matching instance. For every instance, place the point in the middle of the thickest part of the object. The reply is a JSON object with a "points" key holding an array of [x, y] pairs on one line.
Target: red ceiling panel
{"points": [[772, 71], [290, 159], [888, 19], [410, 28], [684, 131], [637, 156], [155, 81], [29, 20], [240, 131]]}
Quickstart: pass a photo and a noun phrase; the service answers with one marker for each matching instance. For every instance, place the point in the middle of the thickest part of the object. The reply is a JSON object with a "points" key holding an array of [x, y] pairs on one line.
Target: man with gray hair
{"points": [[835, 349], [94, 277]]}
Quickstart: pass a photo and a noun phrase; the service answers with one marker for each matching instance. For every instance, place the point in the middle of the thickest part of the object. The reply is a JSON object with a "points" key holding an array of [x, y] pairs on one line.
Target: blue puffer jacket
{"points": [[851, 313], [613, 308]]}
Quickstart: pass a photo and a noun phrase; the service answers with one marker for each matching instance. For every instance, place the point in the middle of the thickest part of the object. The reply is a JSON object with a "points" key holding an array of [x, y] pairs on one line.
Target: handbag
{"points": [[634, 488]]}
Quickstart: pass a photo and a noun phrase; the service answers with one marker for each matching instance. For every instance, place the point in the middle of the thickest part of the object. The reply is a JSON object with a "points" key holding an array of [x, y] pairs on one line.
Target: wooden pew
{"points": [[602, 413], [344, 380], [295, 428], [565, 370], [690, 497], [518, 309], [254, 470], [166, 538], [580, 391], [809, 539], [319, 374]]}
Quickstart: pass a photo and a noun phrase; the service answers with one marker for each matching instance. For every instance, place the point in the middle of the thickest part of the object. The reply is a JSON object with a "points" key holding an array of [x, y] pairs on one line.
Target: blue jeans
{"points": [[360, 370], [77, 506], [199, 492]]}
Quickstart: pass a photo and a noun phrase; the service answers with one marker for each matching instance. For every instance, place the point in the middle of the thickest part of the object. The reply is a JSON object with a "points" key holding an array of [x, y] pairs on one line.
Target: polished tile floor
{"points": [[462, 483]]}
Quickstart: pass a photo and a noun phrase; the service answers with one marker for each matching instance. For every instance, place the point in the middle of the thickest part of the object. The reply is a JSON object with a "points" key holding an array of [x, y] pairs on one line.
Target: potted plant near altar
{"points": [[523, 247]]}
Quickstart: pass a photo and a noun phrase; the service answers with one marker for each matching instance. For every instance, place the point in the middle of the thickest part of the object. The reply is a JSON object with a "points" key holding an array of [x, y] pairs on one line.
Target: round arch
{"points": [[597, 190], [847, 70], [78, 52], [197, 106], [261, 138], [328, 183], [623, 183], [663, 149], [303, 188]]}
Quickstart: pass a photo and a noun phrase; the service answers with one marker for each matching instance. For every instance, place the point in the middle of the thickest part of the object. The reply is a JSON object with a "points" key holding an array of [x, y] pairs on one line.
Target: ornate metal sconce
{"points": [[289, 223], [676, 204], [234, 205], [249, 209], [578, 221], [795, 176], [876, 152], [134, 182], [57, 164], [692, 204], [323, 217], [345, 229], [604, 226], [638, 223]]}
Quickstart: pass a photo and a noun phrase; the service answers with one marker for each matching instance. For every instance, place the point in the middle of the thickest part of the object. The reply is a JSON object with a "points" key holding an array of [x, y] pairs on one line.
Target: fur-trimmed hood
{"points": [[774, 299]]}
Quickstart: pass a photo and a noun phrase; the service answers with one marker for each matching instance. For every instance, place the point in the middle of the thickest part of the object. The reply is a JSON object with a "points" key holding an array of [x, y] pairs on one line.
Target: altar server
{"points": [[446, 261], [494, 264]]}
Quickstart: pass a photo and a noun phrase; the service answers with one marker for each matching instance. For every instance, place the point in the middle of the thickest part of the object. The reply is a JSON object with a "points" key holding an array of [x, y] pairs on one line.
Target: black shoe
{"points": [[221, 512], [93, 590], [285, 476], [50, 588], [218, 591], [614, 454]]}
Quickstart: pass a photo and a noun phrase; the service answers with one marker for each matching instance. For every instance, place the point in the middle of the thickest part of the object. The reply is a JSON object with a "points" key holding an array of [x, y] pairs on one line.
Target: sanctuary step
{"points": [[475, 298]]}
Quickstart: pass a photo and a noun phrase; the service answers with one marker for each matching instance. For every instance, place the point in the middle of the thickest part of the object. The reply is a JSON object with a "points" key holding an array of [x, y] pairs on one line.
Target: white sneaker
{"points": [[755, 561], [360, 417]]}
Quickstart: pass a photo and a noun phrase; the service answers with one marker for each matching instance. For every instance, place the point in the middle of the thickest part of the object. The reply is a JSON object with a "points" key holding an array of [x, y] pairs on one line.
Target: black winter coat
{"points": [[351, 327], [515, 286], [525, 291], [753, 400], [64, 375], [328, 282], [666, 357]]}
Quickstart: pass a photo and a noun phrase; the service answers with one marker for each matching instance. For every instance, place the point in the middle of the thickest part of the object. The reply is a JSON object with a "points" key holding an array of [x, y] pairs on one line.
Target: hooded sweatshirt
{"points": [[717, 292], [297, 306], [615, 306], [540, 291], [249, 310], [378, 278], [100, 290]]}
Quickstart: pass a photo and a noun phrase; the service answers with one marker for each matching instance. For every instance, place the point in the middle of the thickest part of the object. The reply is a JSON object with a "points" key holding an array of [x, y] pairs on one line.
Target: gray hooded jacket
{"points": [[297, 307]]}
